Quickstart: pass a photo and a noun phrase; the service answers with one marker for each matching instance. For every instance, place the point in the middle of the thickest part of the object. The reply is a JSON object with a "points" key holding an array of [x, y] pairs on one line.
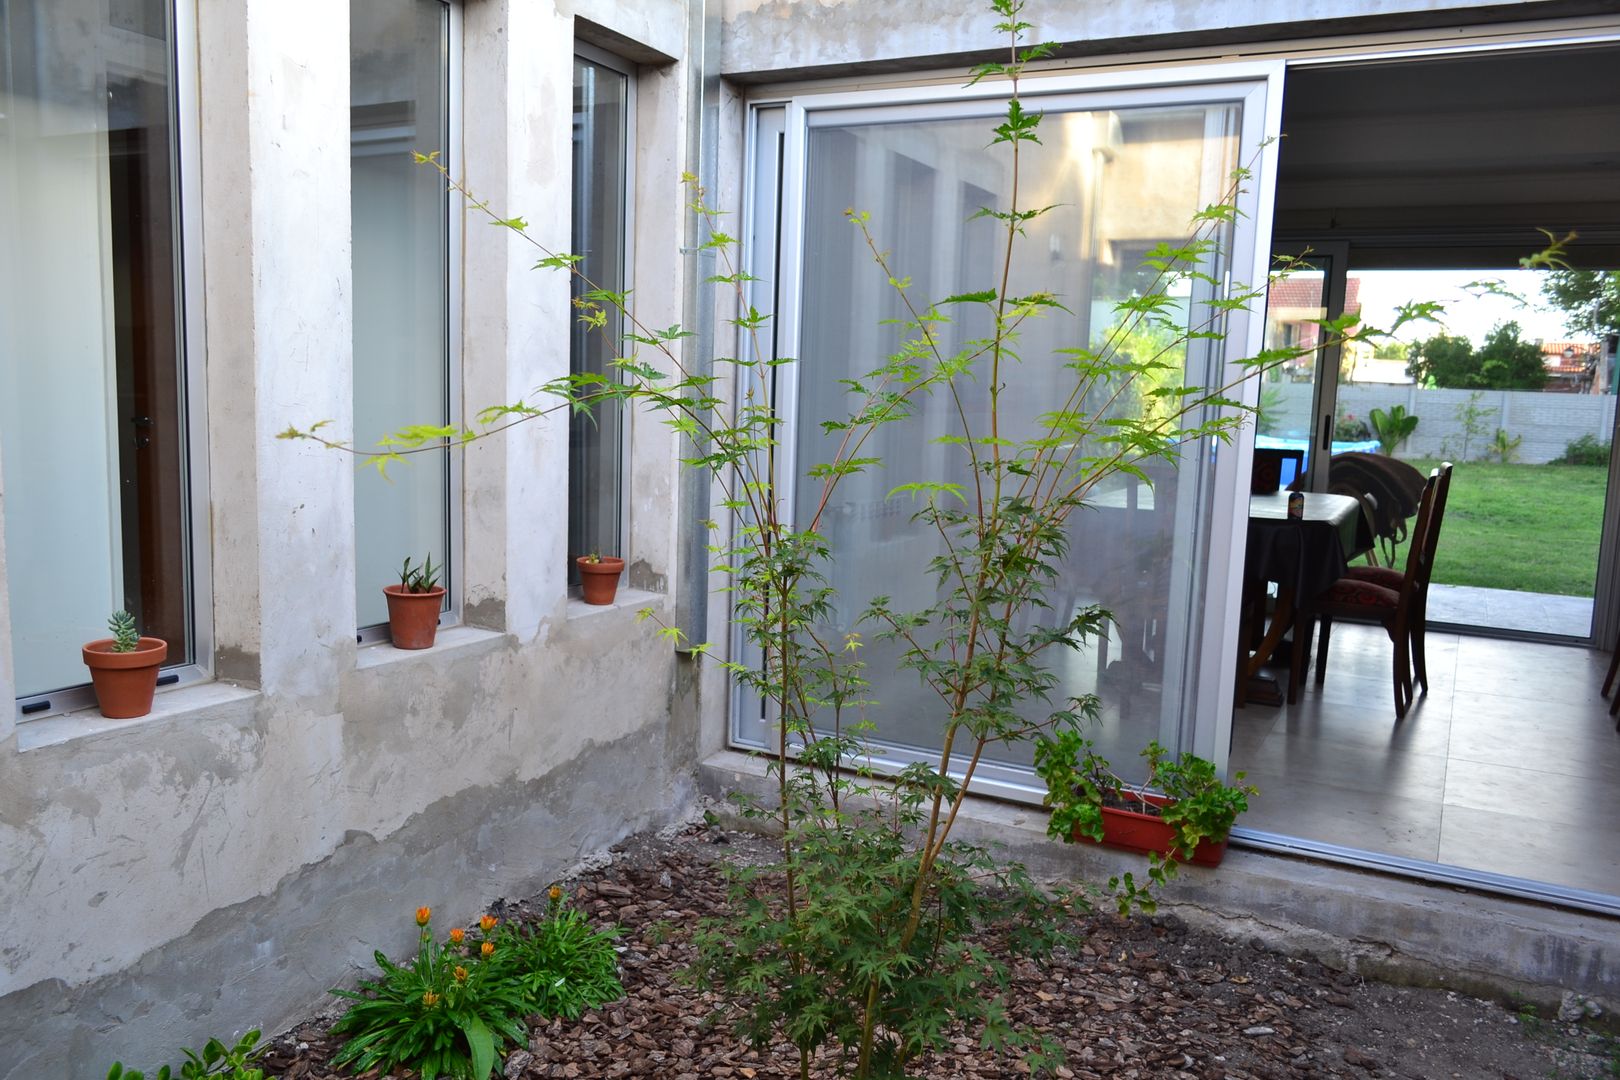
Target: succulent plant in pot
{"points": [[124, 668], [414, 605], [599, 577]]}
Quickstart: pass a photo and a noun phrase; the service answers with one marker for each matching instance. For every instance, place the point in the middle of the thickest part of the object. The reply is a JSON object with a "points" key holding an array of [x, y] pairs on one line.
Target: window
{"points": [[93, 380], [404, 332], [602, 110]]}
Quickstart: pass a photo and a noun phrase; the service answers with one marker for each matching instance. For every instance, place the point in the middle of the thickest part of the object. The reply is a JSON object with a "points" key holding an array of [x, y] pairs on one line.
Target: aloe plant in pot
{"points": [[124, 668], [414, 605]]}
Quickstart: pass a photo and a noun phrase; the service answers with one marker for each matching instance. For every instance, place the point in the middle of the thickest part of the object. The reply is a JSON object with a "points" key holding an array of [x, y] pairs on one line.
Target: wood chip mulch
{"points": [[1140, 998]]}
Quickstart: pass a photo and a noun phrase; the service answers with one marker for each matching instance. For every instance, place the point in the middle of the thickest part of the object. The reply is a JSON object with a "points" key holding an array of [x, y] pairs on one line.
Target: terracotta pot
{"points": [[413, 617], [599, 580], [125, 681], [1136, 831]]}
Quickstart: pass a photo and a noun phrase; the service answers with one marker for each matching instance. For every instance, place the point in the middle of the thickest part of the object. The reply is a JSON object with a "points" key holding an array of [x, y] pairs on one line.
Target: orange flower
{"points": [[456, 935], [460, 973], [487, 923], [489, 948], [555, 894], [423, 914], [430, 999]]}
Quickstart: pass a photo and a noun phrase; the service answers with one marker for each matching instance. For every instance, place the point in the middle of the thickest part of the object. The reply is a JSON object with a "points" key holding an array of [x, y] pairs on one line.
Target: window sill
{"points": [[180, 703], [449, 639], [626, 599]]}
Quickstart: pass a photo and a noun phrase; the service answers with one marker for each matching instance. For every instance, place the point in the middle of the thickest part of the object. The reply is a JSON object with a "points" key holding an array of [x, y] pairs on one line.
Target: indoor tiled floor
{"points": [[1510, 764]]}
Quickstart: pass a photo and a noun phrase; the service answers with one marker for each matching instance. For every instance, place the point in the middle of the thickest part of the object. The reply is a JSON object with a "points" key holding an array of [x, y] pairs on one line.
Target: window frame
{"points": [[583, 50], [191, 338], [454, 225]]}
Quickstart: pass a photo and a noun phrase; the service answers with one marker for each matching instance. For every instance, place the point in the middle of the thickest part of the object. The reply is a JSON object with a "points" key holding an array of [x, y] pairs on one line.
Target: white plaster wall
{"points": [[221, 863]]}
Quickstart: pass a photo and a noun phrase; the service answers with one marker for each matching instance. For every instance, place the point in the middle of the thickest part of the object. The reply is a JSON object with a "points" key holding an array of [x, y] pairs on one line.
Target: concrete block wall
{"points": [[1547, 423], [221, 863]]}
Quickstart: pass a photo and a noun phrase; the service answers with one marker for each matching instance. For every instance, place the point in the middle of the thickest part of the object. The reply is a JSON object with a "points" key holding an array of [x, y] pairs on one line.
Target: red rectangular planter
{"points": [[1135, 831]]}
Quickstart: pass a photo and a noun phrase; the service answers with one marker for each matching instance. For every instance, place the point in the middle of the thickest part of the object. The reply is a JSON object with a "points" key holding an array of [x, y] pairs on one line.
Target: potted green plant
{"points": [[1182, 811], [124, 668], [599, 576], [414, 605]]}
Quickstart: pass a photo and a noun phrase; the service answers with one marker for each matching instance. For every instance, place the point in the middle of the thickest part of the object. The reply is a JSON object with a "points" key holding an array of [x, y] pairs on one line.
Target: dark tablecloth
{"points": [[1308, 555]]}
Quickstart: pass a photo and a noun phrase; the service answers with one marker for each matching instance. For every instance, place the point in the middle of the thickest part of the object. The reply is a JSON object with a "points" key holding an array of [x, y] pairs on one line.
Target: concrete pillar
{"points": [[275, 165], [8, 678], [518, 103]]}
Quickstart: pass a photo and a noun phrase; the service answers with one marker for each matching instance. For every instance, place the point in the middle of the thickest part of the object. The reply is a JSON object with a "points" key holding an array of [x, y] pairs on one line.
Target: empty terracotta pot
{"points": [[599, 580]]}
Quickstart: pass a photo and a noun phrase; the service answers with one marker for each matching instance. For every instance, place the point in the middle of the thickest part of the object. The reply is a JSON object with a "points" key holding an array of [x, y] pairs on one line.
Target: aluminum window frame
{"points": [[1256, 88], [584, 50]]}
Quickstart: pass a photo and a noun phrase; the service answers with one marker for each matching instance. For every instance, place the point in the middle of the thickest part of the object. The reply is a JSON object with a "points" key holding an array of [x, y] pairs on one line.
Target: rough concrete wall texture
{"points": [[222, 863], [834, 35]]}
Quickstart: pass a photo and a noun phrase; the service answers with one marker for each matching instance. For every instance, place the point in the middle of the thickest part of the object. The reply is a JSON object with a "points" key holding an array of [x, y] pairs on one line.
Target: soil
{"points": [[1140, 998]]}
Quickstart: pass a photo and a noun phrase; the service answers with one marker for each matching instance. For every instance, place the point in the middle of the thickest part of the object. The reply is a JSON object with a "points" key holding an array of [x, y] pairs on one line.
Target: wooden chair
{"points": [[1393, 608], [1390, 578]]}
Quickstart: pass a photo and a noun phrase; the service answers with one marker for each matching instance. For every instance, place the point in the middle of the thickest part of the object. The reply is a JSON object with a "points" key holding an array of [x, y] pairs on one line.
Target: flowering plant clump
{"points": [[563, 965], [445, 1014]]}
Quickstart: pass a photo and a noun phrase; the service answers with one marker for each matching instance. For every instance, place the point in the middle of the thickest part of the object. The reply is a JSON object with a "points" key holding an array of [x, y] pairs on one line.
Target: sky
{"points": [[1382, 291]]}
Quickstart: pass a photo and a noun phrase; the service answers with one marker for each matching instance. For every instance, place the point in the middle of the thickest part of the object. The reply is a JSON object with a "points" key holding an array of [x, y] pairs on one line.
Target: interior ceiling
{"points": [[1455, 162]]}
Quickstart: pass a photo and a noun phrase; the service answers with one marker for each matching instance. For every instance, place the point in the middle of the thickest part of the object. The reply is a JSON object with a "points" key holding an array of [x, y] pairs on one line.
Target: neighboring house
{"points": [[1573, 366], [211, 229]]}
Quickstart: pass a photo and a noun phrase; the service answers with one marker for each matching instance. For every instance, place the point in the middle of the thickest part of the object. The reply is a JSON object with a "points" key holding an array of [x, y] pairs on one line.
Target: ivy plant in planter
{"points": [[1182, 812]]}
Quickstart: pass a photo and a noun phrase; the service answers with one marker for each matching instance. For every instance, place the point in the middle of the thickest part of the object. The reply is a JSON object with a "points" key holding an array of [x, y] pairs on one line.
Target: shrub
{"points": [[1585, 450]]}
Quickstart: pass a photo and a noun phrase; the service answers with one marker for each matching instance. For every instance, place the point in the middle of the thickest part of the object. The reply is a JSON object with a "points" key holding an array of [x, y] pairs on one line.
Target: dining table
{"points": [[1303, 557]]}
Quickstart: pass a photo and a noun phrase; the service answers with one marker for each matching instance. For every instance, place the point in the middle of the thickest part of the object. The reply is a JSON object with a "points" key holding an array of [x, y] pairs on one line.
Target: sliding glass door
{"points": [[1123, 170]]}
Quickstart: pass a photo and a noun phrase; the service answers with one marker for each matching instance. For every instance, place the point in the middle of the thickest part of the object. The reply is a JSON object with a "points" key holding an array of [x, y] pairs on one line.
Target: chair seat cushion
{"points": [[1387, 576], [1352, 593]]}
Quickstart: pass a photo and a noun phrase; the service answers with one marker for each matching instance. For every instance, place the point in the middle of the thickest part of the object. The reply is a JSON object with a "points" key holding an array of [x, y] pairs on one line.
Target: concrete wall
{"points": [[1547, 423], [221, 863], [840, 37]]}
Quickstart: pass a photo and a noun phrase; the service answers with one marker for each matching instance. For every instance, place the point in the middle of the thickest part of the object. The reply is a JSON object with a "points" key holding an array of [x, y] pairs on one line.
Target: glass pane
{"points": [[399, 56], [92, 424], [595, 440], [1119, 182]]}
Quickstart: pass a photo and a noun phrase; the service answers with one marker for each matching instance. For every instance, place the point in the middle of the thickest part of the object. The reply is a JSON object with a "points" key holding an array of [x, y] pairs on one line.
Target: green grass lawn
{"points": [[1533, 528]]}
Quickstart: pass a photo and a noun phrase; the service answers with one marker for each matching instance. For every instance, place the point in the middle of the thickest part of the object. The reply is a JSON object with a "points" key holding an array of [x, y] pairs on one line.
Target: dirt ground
{"points": [[1140, 998]]}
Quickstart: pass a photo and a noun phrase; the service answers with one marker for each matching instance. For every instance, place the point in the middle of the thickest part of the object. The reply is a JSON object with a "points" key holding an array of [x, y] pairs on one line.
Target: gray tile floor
{"points": [[1467, 605], [1510, 764]]}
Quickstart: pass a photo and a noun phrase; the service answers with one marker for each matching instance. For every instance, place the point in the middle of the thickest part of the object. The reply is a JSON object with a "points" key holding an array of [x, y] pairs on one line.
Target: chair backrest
{"points": [[1437, 513], [1418, 554]]}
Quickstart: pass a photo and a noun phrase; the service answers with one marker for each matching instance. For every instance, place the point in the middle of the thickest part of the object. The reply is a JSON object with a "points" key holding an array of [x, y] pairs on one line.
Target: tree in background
{"points": [[1589, 298], [1442, 360], [1506, 361]]}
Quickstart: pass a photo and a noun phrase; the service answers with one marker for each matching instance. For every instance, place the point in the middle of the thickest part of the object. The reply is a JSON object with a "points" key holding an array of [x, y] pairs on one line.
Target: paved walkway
{"points": [[1538, 613]]}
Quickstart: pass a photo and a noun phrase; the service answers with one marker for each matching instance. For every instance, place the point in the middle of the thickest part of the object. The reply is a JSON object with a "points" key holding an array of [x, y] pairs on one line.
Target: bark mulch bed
{"points": [[1141, 998]]}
